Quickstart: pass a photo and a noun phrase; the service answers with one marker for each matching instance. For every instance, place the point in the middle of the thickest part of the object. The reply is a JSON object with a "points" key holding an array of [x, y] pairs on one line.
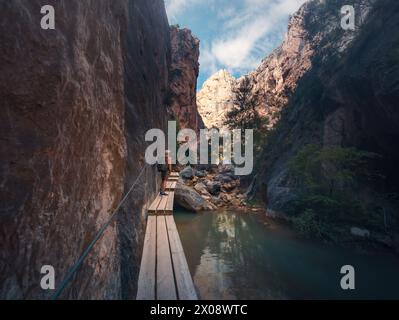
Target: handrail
{"points": [[99, 234]]}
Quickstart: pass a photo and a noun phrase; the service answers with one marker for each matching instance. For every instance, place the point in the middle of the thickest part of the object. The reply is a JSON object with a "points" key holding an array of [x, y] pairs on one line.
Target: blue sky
{"points": [[235, 34]]}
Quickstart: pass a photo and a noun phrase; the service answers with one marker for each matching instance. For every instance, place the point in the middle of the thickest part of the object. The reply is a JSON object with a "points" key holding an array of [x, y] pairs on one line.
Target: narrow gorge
{"points": [[76, 104], [324, 87]]}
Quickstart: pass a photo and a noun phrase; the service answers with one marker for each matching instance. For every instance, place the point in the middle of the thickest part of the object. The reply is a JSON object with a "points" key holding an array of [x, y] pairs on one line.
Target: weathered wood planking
{"points": [[170, 203], [171, 185], [185, 285], [164, 273], [146, 284], [166, 289], [154, 206], [162, 205]]}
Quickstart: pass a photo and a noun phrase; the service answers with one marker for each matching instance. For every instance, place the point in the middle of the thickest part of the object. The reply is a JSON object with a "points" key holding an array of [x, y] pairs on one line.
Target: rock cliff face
{"points": [[346, 98], [313, 29], [75, 104], [276, 78], [183, 79], [216, 98]]}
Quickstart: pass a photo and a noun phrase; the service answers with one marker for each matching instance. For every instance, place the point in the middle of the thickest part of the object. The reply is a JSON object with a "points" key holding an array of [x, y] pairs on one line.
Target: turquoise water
{"points": [[246, 256]]}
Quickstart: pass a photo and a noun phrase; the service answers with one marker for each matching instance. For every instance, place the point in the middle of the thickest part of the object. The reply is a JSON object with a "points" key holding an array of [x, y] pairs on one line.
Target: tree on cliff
{"points": [[245, 114]]}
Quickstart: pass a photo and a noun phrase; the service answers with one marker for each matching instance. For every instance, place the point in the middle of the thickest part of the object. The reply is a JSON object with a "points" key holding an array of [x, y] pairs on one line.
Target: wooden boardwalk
{"points": [[164, 273]]}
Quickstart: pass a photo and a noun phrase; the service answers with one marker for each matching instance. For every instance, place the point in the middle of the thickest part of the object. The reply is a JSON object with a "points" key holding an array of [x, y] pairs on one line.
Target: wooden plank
{"points": [[154, 205], [162, 205], [166, 289], [172, 185], [184, 281], [146, 284], [173, 179], [170, 203]]}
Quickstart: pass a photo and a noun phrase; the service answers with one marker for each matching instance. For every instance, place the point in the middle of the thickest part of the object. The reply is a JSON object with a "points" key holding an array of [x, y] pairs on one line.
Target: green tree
{"points": [[326, 182], [329, 169], [245, 115]]}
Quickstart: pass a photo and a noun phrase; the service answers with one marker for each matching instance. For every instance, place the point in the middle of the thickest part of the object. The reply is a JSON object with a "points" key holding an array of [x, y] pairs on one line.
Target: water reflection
{"points": [[236, 256]]}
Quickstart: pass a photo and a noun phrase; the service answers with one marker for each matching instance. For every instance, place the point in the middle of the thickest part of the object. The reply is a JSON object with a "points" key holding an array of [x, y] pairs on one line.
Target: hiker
{"points": [[165, 170]]}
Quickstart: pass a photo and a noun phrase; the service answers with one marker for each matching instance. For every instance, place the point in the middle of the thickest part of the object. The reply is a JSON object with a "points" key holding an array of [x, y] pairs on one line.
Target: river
{"points": [[246, 256]]}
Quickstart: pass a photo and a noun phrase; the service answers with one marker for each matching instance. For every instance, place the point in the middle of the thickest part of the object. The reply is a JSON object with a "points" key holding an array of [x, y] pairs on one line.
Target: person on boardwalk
{"points": [[165, 170]]}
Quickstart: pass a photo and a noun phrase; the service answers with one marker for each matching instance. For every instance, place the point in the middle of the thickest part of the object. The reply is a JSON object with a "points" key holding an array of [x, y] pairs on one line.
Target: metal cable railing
{"points": [[98, 236]]}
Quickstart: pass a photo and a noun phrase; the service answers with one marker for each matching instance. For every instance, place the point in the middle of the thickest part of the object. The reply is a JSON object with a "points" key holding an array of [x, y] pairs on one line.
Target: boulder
{"points": [[231, 175], [201, 188], [224, 178], [201, 174], [235, 202], [229, 186], [217, 201], [364, 233], [213, 187], [203, 167], [190, 199], [226, 168], [228, 198], [241, 196], [187, 173]]}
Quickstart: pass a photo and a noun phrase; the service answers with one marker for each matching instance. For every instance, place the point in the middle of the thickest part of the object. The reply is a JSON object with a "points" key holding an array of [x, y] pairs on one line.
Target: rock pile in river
{"points": [[218, 188]]}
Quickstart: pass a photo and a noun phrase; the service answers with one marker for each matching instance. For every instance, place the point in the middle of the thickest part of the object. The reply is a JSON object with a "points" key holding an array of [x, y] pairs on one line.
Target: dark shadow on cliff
{"points": [[349, 100], [146, 64]]}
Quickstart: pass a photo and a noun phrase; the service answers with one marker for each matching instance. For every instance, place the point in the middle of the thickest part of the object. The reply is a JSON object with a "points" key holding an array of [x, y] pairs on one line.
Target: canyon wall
{"points": [[313, 29], [75, 105], [346, 97], [183, 79], [276, 78], [324, 86]]}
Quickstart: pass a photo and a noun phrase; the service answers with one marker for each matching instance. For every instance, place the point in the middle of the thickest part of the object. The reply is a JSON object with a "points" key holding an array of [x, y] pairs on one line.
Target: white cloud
{"points": [[208, 61], [247, 30], [237, 49], [175, 7]]}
